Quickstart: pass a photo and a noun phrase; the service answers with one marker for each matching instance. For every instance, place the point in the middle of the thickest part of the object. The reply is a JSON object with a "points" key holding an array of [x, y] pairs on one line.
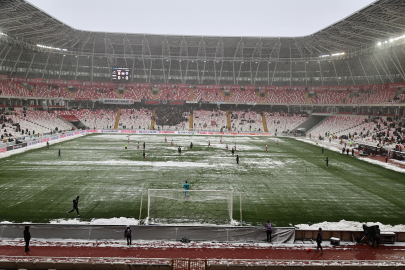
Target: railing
{"points": [[15, 262]]}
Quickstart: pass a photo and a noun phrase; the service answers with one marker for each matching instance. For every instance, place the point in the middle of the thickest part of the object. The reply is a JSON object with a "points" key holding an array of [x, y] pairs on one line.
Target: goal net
{"points": [[173, 206]]}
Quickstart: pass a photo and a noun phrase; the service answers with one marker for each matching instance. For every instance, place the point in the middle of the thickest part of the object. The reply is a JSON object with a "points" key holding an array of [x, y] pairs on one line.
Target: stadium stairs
{"points": [[72, 120], [191, 121], [117, 119], [312, 122], [228, 120], [152, 124], [317, 125], [264, 122]]}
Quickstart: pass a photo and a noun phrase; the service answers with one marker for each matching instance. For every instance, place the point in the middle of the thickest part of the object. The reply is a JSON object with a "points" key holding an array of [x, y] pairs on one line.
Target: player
{"points": [[179, 150], [266, 148], [75, 206], [233, 151], [327, 162], [126, 147], [59, 156], [47, 145], [191, 146], [144, 155], [209, 143], [277, 142], [235, 147], [316, 143], [186, 186], [171, 144], [237, 159], [226, 147], [144, 145], [128, 141], [165, 139], [138, 145], [220, 141]]}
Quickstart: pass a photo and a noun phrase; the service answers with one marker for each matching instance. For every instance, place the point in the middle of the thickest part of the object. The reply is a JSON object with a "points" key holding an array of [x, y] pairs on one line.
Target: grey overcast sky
{"points": [[271, 18]]}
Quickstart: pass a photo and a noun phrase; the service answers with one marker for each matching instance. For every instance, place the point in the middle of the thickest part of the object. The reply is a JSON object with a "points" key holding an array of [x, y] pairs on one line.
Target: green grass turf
{"points": [[288, 185]]}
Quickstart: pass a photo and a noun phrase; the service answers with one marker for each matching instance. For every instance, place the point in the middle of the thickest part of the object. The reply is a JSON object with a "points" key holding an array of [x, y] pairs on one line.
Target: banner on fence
{"points": [[117, 101]]}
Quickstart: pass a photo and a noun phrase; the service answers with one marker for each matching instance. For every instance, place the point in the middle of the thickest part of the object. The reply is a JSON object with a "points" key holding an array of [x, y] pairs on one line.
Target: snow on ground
{"points": [[38, 145], [333, 146], [159, 244], [99, 221], [345, 225], [219, 160]]}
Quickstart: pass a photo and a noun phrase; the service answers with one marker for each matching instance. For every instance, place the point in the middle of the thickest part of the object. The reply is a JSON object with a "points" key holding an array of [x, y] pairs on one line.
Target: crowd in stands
{"points": [[171, 116], [374, 129]]}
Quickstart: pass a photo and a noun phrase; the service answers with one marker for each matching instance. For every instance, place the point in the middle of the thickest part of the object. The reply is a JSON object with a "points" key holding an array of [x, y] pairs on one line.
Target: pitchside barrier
{"points": [[178, 132], [87, 263]]}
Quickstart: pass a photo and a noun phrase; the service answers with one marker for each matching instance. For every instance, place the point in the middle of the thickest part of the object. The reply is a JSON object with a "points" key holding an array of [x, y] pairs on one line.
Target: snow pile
{"points": [[383, 164], [345, 225], [99, 221]]}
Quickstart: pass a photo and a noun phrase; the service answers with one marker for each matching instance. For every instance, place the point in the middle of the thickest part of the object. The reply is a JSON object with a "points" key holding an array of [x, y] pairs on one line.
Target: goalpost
{"points": [[173, 206]]}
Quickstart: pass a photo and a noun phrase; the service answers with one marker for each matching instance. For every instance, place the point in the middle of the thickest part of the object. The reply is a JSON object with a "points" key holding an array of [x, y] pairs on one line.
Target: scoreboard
{"points": [[120, 74]]}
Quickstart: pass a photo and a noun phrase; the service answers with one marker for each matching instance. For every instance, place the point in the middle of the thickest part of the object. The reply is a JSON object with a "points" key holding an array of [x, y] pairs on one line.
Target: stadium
{"points": [[304, 132]]}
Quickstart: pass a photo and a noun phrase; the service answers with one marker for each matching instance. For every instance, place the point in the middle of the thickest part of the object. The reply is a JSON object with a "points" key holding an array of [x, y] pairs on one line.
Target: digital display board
{"points": [[120, 74]]}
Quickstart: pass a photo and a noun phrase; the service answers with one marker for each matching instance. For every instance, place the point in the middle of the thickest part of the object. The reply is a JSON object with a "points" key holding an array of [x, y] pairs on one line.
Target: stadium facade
{"points": [[364, 48]]}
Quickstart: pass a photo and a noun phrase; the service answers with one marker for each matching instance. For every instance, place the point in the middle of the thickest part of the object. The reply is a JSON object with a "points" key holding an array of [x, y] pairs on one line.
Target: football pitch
{"points": [[288, 185]]}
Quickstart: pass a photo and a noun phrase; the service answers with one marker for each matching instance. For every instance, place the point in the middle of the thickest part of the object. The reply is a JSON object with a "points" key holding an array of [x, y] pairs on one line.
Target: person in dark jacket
{"points": [[268, 231], [27, 238], [327, 162], [75, 206], [59, 156], [237, 159], [128, 234], [319, 240]]}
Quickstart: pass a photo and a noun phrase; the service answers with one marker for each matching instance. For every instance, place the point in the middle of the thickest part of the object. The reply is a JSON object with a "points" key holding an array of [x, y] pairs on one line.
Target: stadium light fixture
{"points": [[3, 34], [379, 43], [337, 54], [325, 55], [50, 48], [391, 40]]}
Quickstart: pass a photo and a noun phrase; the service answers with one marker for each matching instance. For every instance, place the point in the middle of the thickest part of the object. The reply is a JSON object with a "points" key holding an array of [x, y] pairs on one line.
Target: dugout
{"points": [[398, 155], [367, 149], [300, 132]]}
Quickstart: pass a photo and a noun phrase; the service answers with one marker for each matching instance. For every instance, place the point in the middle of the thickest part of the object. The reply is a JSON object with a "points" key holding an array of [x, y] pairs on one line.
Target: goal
{"points": [[174, 206]]}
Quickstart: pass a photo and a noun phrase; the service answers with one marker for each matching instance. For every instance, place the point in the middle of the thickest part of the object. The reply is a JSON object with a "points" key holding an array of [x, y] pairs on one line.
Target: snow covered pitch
{"points": [[288, 185]]}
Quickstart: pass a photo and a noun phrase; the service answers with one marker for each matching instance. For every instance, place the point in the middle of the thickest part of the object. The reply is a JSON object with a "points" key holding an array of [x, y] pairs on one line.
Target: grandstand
{"points": [[55, 79]]}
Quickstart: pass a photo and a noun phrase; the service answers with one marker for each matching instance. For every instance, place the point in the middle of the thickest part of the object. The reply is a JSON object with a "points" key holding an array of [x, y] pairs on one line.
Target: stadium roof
{"points": [[382, 20]]}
